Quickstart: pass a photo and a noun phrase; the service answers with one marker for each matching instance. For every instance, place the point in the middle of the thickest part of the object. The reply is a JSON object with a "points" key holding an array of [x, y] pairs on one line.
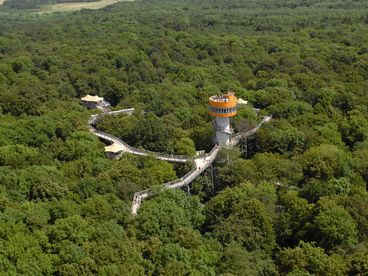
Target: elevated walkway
{"points": [[140, 152], [236, 138], [201, 162]]}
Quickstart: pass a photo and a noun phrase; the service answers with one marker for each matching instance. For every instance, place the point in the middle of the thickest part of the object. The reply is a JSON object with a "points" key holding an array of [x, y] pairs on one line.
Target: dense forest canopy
{"points": [[295, 204]]}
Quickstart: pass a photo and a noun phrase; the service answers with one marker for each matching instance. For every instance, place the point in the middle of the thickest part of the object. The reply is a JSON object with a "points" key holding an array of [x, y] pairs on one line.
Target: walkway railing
{"points": [[235, 139], [143, 152], [133, 150], [202, 164], [202, 161]]}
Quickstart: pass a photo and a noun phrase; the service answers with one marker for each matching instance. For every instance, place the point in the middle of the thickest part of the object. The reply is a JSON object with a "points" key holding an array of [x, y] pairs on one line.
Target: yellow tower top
{"points": [[223, 105]]}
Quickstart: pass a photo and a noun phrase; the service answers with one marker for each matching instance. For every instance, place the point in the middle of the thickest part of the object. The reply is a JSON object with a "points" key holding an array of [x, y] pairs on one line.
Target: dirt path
{"points": [[62, 7]]}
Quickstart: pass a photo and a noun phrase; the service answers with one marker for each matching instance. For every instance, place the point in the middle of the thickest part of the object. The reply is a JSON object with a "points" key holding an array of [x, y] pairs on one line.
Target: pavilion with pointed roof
{"points": [[95, 102]]}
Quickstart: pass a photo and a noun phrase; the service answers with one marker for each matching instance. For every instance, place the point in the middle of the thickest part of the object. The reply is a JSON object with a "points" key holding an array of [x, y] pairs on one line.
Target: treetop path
{"points": [[201, 162]]}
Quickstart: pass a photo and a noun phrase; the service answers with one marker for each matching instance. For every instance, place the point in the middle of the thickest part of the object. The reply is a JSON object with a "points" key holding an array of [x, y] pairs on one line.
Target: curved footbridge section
{"points": [[201, 162]]}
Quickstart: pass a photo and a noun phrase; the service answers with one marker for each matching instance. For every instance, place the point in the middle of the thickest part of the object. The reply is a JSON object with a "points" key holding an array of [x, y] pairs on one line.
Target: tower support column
{"points": [[223, 130]]}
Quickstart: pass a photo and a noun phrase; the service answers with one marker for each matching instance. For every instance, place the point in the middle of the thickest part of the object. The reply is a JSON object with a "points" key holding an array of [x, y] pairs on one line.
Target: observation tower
{"points": [[223, 107]]}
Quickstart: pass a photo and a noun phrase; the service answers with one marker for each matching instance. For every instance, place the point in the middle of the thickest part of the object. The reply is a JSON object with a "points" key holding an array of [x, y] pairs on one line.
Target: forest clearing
{"points": [[76, 6]]}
